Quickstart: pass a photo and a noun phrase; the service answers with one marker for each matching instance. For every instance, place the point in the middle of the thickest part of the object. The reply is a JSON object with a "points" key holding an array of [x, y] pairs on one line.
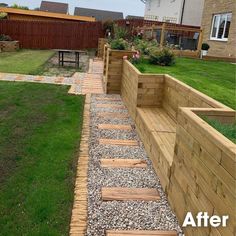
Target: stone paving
{"points": [[81, 83]]}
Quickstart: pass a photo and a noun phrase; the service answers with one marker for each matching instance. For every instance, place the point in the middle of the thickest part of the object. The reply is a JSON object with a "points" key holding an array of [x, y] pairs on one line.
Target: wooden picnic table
{"points": [[62, 52]]}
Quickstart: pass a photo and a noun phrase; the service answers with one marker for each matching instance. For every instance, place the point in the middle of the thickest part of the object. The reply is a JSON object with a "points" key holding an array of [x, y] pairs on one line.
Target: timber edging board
{"points": [[78, 225], [140, 233]]}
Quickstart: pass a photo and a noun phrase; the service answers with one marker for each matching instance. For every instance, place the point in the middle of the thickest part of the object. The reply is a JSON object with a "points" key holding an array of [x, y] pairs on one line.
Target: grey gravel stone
{"points": [[116, 214]]}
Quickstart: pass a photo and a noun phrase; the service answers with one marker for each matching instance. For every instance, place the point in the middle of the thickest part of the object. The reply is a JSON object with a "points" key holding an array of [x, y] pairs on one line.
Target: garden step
{"points": [[140, 233], [123, 163], [118, 142], [113, 115], [116, 127], [129, 194], [115, 106]]}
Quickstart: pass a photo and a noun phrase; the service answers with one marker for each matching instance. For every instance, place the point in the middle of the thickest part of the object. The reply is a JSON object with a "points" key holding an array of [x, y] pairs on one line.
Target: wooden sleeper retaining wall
{"points": [[9, 46]]}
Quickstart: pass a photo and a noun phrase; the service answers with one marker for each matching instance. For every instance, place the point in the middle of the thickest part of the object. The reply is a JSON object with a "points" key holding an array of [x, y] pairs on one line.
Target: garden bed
{"points": [[40, 133], [9, 46]]}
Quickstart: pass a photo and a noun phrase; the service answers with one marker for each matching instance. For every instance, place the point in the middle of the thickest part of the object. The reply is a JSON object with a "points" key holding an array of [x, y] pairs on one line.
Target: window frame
{"points": [[218, 26]]}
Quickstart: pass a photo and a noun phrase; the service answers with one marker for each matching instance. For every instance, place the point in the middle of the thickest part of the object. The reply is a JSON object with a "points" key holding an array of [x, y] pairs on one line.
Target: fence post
{"points": [[199, 46], [162, 34]]}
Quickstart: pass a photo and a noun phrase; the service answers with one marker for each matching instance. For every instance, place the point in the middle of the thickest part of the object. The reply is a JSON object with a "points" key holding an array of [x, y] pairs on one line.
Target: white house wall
{"points": [[193, 12], [168, 8]]}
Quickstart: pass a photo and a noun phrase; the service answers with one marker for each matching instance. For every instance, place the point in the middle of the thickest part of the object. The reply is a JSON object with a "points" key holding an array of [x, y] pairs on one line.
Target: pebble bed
{"points": [[116, 214]]}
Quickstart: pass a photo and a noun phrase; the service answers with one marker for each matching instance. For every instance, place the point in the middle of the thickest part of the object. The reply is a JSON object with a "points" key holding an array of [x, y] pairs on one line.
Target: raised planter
{"points": [[101, 43], [198, 174], [203, 176], [9, 46], [113, 69]]}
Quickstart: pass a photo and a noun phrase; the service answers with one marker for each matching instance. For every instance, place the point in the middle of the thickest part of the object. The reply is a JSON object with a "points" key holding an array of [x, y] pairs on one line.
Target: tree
{"points": [[19, 7]]}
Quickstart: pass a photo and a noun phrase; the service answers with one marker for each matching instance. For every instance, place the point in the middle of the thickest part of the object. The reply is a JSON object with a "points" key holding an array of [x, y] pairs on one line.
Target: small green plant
{"points": [[205, 46], [119, 44], [120, 32], [4, 37], [3, 15], [163, 57]]}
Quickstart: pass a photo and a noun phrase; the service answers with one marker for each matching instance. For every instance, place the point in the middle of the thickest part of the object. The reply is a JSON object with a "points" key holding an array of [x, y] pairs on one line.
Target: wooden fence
{"points": [[52, 35]]}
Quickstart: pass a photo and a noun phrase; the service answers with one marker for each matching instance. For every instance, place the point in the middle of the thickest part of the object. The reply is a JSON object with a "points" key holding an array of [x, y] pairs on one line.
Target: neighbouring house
{"points": [[99, 15], [130, 17], [219, 28], [31, 15], [56, 7], [186, 12]]}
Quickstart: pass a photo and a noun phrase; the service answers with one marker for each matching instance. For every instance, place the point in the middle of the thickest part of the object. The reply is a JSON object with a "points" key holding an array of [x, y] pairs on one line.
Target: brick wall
{"points": [[219, 48]]}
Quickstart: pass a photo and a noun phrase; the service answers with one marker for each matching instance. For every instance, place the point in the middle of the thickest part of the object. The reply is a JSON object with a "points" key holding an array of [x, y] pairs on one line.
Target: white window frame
{"points": [[218, 25]]}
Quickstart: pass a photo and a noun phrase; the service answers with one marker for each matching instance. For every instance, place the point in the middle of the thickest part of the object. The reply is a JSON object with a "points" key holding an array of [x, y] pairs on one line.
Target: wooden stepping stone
{"points": [[118, 142], [113, 115], [130, 194], [115, 106], [116, 127], [109, 99], [140, 233], [123, 163]]}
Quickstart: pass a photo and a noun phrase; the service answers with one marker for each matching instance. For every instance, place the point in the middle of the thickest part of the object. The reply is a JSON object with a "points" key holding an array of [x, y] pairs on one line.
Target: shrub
{"points": [[163, 57], [119, 44], [3, 15], [205, 46], [120, 32], [4, 37], [145, 47]]}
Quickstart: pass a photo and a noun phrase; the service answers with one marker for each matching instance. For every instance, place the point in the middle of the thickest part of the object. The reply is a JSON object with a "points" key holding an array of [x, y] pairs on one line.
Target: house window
{"points": [[220, 27]]}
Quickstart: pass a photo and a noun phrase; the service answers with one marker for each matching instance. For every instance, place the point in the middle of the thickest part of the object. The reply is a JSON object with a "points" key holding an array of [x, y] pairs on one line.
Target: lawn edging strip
{"points": [[78, 225]]}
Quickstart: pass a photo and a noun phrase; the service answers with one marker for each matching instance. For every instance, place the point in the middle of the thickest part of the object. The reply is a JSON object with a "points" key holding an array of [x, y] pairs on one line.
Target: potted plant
{"points": [[205, 48]]}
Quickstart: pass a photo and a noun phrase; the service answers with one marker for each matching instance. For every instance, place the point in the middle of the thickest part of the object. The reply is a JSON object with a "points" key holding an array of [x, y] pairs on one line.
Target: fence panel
{"points": [[52, 35]]}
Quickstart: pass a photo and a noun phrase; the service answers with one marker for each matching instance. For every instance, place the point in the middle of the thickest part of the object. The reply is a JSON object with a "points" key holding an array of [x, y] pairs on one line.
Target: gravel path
{"points": [[129, 214]]}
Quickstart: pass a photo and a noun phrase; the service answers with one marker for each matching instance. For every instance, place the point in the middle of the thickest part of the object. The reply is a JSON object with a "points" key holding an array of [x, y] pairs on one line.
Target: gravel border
{"points": [[129, 214]]}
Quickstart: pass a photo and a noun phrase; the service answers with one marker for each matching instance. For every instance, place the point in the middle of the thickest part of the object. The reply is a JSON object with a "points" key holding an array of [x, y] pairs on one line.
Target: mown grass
{"points": [[214, 78], [39, 138], [24, 61], [228, 130]]}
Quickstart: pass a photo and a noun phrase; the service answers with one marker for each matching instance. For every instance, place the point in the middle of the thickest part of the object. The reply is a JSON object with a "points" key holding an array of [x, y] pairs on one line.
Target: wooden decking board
{"points": [[115, 127], [118, 142], [112, 115], [130, 194], [140, 233], [123, 163]]}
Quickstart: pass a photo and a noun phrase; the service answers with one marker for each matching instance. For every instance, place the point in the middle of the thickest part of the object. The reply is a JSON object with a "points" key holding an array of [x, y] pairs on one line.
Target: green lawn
{"points": [[214, 78], [39, 140], [24, 61], [228, 130]]}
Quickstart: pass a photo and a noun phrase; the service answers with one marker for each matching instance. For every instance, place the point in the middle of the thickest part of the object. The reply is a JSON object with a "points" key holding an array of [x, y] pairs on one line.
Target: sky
{"points": [[128, 7]]}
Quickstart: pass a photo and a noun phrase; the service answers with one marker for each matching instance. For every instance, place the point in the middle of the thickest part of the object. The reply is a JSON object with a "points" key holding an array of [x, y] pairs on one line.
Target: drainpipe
{"points": [[182, 14]]}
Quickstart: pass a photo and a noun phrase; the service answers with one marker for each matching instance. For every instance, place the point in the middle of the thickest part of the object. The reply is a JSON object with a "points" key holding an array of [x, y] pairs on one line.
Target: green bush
{"points": [[163, 57], [4, 37], [145, 47], [119, 44], [120, 32]]}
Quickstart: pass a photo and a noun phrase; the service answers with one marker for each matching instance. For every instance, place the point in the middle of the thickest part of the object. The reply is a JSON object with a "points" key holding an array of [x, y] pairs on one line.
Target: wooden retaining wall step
{"points": [[140, 233], [118, 142], [116, 127], [130, 194], [123, 163], [113, 115]]}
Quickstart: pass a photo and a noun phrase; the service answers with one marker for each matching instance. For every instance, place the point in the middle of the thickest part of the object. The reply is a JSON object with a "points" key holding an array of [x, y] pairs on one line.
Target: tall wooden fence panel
{"points": [[52, 35]]}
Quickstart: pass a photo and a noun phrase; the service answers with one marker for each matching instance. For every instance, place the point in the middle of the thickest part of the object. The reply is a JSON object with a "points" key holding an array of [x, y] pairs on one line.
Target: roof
{"points": [[46, 14], [100, 15], [130, 17], [56, 7]]}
